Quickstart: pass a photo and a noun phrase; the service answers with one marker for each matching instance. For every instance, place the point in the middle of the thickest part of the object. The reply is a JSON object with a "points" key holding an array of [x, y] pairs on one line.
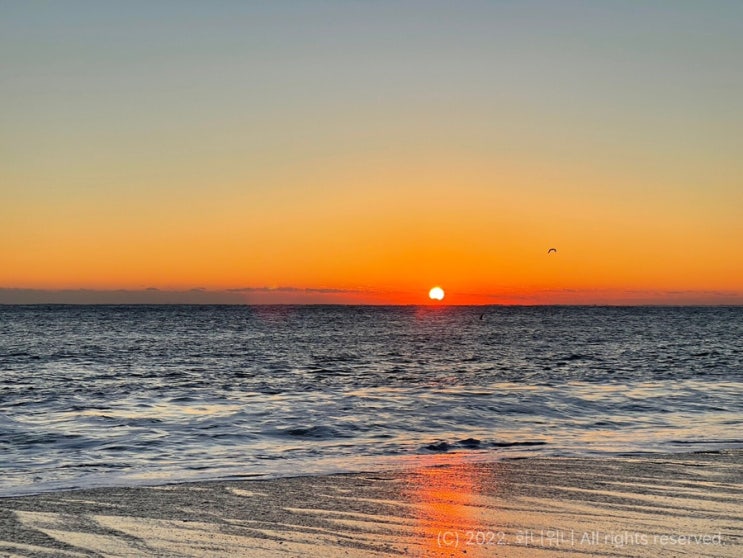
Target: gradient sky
{"points": [[364, 151]]}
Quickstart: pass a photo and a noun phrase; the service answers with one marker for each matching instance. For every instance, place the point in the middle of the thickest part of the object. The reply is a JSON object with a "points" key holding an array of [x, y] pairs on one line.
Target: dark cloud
{"points": [[295, 290], [152, 295], [319, 295], [629, 297], [90, 296]]}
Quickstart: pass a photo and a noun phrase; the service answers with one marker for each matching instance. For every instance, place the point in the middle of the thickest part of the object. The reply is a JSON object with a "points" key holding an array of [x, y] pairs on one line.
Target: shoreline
{"points": [[369, 465], [650, 505]]}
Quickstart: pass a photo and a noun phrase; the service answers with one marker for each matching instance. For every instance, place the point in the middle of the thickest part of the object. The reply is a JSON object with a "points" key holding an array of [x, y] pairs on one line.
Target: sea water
{"points": [[112, 395]]}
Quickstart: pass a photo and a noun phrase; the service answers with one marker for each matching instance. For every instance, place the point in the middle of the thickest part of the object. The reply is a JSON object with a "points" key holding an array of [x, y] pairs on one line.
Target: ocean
{"points": [[128, 395]]}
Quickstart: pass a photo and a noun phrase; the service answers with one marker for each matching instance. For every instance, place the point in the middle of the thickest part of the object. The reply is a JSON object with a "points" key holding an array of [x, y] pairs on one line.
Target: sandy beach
{"points": [[672, 505]]}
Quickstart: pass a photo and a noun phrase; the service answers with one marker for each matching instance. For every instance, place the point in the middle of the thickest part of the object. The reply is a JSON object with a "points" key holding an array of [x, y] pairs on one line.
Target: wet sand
{"points": [[675, 505]]}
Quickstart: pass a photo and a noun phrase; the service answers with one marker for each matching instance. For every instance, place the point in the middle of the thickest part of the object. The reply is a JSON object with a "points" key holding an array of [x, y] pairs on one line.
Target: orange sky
{"points": [[421, 153]]}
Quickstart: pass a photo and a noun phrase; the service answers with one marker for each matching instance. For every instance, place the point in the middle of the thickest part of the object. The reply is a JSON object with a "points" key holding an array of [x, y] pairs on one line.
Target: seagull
{"points": [[552, 250]]}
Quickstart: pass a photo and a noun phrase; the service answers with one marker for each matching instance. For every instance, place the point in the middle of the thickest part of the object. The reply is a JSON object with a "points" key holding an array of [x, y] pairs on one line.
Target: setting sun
{"points": [[437, 293]]}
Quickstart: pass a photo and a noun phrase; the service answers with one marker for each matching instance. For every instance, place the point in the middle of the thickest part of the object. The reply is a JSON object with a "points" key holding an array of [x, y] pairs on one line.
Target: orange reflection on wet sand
{"points": [[446, 496]]}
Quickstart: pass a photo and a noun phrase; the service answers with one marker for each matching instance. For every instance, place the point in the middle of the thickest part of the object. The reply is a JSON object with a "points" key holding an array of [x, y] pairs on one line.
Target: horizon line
{"points": [[333, 296], [397, 305]]}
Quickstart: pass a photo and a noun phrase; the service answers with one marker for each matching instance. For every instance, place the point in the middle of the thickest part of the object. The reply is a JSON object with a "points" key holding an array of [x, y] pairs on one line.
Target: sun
{"points": [[437, 293]]}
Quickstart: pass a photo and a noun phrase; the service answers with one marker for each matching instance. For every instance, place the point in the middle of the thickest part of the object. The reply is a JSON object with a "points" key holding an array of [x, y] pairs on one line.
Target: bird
{"points": [[552, 250]]}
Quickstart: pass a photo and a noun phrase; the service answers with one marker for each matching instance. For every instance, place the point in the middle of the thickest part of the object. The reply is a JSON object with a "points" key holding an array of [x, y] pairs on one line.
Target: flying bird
{"points": [[552, 250]]}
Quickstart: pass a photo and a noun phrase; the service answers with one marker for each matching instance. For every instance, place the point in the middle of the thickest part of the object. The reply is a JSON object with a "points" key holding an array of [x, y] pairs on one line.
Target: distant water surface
{"points": [[104, 395]]}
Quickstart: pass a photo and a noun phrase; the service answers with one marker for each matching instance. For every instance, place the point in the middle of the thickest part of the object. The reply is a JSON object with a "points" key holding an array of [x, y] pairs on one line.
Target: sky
{"points": [[364, 151]]}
